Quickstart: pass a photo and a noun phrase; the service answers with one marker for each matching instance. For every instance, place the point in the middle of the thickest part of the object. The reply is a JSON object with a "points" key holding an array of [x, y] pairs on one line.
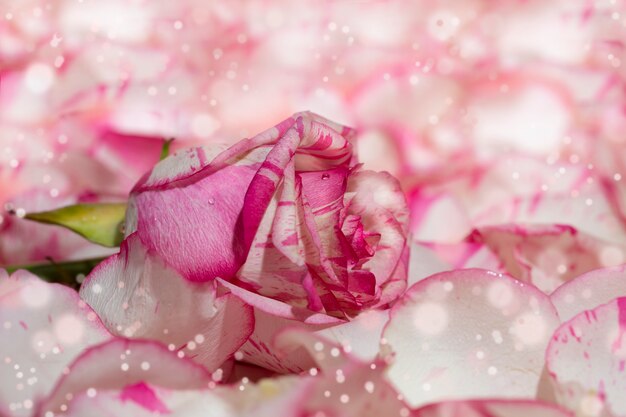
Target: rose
{"points": [[286, 220]]}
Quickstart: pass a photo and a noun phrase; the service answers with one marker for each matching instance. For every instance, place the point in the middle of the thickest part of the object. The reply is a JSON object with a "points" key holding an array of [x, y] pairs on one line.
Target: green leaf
{"points": [[165, 150], [98, 223], [69, 273]]}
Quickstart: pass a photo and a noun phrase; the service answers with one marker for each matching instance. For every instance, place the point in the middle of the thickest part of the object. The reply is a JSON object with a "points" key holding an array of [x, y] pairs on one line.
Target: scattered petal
{"points": [[586, 360], [139, 296], [468, 325]]}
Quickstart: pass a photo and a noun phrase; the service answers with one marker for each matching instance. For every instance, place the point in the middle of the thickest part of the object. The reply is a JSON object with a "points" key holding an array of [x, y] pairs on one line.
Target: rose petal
{"points": [[376, 197], [468, 325], [347, 386], [515, 190], [424, 261], [216, 199], [44, 327], [139, 296], [270, 318], [546, 255], [138, 400], [586, 360], [589, 290], [492, 408], [266, 399], [125, 365], [343, 386], [361, 335]]}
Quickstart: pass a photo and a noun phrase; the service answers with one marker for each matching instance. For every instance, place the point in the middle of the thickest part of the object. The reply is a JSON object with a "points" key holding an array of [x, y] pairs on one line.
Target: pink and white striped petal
{"points": [[468, 334], [220, 199], [589, 291], [339, 386], [125, 366], [44, 327], [492, 408], [139, 296], [268, 398], [546, 255], [344, 385], [586, 360], [270, 318]]}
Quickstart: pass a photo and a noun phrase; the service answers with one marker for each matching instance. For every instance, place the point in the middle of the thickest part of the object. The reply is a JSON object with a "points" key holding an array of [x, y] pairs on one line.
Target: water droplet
{"points": [[325, 176], [211, 201]]}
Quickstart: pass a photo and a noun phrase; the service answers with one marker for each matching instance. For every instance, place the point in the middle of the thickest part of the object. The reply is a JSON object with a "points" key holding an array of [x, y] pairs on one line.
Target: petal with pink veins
{"points": [[515, 189], [376, 197], [126, 366], [492, 408], [468, 333], [44, 327], [340, 386], [270, 318], [360, 336], [344, 385], [220, 200], [139, 296], [546, 255], [268, 398], [589, 290], [586, 360]]}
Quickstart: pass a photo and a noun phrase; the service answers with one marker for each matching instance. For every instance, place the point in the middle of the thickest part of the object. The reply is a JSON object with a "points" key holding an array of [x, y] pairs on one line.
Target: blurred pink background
{"points": [[438, 90]]}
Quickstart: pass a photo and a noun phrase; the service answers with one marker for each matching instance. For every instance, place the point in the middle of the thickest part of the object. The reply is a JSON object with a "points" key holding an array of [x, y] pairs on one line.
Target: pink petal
{"points": [[139, 296], [345, 386], [44, 327], [138, 400], [380, 203], [425, 261], [491, 408], [220, 201], [128, 155], [546, 255], [586, 360], [126, 365], [589, 290], [513, 190], [361, 335], [272, 317], [269, 398], [468, 325]]}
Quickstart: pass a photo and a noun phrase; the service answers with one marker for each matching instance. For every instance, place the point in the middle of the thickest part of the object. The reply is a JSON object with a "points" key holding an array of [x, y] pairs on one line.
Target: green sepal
{"points": [[165, 150], [98, 223]]}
